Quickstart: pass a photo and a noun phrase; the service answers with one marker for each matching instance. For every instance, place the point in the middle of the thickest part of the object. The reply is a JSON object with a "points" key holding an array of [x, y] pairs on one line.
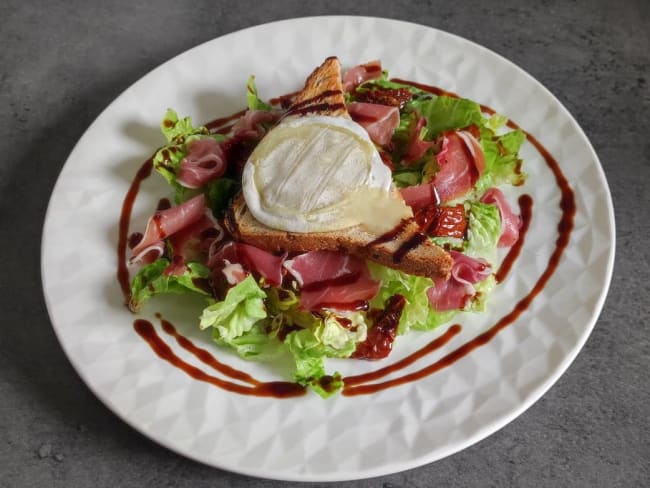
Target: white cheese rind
{"points": [[306, 175]]}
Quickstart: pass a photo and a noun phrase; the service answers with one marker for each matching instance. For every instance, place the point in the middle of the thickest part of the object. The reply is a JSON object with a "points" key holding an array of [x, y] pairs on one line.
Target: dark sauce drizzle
{"points": [[313, 101], [526, 213], [365, 383], [277, 389], [125, 219]]}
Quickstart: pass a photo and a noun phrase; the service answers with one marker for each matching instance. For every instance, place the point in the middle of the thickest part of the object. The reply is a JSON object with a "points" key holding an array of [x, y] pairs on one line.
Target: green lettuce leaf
{"points": [[314, 337], [255, 344], [236, 314], [496, 121], [240, 322], [151, 281], [179, 133], [445, 113], [254, 102], [502, 162], [417, 313], [384, 82], [341, 341], [483, 290], [309, 352], [407, 178], [166, 162], [283, 307], [219, 193], [176, 130], [483, 231]]}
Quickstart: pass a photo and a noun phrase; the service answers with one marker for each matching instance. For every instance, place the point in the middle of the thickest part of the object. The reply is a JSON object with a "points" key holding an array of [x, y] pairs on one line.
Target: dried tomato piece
{"points": [[395, 97], [450, 222], [381, 335]]}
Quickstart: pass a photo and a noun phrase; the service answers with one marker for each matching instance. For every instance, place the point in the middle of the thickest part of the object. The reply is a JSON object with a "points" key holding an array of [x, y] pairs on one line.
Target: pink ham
{"points": [[249, 125], [317, 266], [341, 296], [165, 223], [417, 146], [461, 162], [361, 73], [454, 293], [331, 279], [192, 243], [205, 161], [420, 196], [380, 121], [251, 258], [510, 221]]}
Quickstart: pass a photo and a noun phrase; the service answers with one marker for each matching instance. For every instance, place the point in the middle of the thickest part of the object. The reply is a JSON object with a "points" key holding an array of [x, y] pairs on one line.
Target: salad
{"points": [[446, 159]]}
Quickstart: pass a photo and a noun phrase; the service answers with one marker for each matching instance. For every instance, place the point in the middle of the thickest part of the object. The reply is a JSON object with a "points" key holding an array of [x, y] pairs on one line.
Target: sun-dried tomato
{"points": [[395, 97], [381, 335]]}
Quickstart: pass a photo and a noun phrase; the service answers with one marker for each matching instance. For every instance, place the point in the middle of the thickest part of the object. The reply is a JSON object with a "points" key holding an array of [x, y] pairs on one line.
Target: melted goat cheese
{"points": [[320, 174]]}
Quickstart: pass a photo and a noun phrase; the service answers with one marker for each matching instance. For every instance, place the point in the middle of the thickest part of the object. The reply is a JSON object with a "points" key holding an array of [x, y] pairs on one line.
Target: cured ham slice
{"points": [[317, 266], [420, 196], [250, 258], [191, 243], [454, 293], [361, 73], [165, 223], [249, 126], [380, 121], [343, 295], [461, 162], [417, 146], [510, 221], [205, 161], [331, 279]]}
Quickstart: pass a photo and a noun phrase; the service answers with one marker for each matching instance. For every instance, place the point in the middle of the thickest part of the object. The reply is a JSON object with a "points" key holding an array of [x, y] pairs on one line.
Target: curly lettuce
{"points": [[152, 280], [483, 231], [167, 160]]}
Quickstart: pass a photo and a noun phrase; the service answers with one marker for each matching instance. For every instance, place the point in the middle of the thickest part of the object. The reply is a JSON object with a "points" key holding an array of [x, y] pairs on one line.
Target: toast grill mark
{"points": [[317, 108], [316, 103], [408, 244]]}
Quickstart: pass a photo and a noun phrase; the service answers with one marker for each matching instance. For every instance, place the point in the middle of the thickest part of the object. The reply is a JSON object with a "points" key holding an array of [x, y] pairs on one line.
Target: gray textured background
{"points": [[62, 63]]}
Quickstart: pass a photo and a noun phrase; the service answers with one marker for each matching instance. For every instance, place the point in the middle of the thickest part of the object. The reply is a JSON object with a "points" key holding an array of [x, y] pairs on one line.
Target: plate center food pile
{"points": [[328, 222]]}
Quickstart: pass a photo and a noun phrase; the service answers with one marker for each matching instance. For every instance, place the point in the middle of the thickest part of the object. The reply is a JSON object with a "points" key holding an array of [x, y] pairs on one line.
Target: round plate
{"points": [[308, 438]]}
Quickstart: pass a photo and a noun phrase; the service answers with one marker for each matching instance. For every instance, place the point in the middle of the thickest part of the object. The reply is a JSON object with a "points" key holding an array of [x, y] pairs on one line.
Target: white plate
{"points": [[344, 437]]}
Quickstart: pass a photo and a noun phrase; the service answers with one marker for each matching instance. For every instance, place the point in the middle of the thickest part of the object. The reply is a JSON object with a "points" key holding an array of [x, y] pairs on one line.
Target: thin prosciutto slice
{"points": [[249, 125], [454, 293], [318, 266], [205, 161], [165, 223], [251, 258], [420, 196], [361, 73], [461, 162], [331, 279], [417, 146], [192, 242], [510, 221], [380, 121]]}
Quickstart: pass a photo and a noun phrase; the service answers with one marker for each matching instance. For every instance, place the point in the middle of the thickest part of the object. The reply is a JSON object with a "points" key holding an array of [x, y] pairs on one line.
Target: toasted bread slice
{"points": [[322, 93], [406, 251]]}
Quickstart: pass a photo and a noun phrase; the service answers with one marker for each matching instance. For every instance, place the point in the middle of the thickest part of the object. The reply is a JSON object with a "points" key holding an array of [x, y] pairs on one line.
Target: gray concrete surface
{"points": [[61, 63]]}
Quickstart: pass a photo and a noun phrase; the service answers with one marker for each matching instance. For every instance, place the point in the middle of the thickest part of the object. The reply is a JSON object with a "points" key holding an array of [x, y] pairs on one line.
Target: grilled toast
{"points": [[405, 249], [422, 259], [322, 93]]}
